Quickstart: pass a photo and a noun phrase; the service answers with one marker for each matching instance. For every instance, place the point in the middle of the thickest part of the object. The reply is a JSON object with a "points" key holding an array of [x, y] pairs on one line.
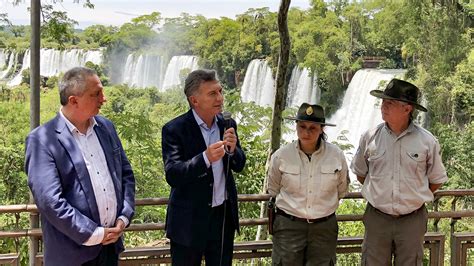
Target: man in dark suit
{"points": [[200, 151], [80, 177]]}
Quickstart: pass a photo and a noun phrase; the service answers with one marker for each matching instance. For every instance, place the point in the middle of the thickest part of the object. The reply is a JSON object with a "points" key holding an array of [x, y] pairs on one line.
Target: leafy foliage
{"points": [[57, 26]]}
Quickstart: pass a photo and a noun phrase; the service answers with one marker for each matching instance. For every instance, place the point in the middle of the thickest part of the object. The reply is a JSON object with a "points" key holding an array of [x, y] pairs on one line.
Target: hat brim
{"points": [[297, 119], [380, 94]]}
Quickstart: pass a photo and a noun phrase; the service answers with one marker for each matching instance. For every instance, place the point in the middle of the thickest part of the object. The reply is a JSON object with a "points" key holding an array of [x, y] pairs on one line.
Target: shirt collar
{"points": [[72, 128], [411, 127], [319, 150], [201, 123]]}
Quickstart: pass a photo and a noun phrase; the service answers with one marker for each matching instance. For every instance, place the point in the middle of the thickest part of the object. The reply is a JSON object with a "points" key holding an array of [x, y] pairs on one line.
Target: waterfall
{"points": [[303, 87], [11, 60], [177, 70], [143, 71], [3, 59], [258, 84], [360, 111], [53, 62]]}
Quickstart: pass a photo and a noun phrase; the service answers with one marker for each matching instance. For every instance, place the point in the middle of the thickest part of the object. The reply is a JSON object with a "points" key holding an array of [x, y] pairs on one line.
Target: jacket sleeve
{"points": [[45, 185]]}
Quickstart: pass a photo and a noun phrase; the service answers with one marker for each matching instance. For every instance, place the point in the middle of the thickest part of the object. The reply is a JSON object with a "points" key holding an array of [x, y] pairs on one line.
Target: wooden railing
{"points": [[460, 241]]}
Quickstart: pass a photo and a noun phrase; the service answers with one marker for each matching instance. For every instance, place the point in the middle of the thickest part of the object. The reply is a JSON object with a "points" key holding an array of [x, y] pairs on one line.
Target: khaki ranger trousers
{"points": [[400, 236]]}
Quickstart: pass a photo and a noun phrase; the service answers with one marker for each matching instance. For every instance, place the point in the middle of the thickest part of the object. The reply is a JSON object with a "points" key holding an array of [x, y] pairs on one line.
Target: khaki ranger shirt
{"points": [[308, 189], [398, 169]]}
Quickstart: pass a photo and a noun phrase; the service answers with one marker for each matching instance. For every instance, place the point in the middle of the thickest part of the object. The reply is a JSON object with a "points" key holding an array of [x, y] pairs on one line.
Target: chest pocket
{"points": [[378, 164], [416, 163], [329, 174], [290, 177]]}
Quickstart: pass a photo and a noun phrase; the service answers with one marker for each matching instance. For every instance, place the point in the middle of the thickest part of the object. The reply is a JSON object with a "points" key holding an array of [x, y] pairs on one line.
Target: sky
{"points": [[109, 12]]}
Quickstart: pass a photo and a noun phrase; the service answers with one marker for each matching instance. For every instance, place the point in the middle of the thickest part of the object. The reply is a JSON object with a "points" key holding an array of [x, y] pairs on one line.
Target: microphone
{"points": [[227, 116]]}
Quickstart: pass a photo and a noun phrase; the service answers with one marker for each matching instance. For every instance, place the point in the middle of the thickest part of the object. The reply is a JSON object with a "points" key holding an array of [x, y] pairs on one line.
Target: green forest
{"points": [[431, 39]]}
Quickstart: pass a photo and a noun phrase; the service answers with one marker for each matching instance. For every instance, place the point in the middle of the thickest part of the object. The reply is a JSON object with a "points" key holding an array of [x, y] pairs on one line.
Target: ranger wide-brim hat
{"points": [[401, 90], [311, 113]]}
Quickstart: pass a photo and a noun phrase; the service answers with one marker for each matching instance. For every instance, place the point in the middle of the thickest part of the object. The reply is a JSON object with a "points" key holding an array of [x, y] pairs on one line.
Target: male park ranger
{"points": [[399, 165]]}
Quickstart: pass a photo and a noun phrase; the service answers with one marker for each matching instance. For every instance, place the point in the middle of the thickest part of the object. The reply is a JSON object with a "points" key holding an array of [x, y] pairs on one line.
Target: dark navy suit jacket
{"points": [[191, 181], [62, 189]]}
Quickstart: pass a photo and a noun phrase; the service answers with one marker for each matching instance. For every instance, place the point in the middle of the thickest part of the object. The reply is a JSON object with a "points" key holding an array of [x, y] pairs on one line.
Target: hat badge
{"points": [[309, 110]]}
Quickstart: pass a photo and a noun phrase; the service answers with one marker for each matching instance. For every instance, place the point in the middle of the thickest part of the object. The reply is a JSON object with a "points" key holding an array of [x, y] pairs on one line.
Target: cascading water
{"points": [[143, 71], [177, 70], [360, 111], [303, 87], [53, 62], [10, 60], [258, 84], [3, 59]]}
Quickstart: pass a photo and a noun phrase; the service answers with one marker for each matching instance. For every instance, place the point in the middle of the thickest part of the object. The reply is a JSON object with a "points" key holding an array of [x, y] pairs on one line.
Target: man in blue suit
{"points": [[200, 151], [80, 177]]}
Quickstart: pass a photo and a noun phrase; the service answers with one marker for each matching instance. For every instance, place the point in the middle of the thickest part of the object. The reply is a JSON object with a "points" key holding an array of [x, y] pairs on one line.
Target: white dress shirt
{"points": [[100, 177]]}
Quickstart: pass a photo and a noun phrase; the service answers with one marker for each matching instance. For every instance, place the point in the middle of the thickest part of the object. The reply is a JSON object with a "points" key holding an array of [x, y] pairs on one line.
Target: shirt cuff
{"points": [[206, 159], [124, 219], [96, 237]]}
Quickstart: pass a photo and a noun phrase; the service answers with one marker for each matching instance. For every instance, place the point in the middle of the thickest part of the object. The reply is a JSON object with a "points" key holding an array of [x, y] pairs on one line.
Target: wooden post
{"points": [[34, 106]]}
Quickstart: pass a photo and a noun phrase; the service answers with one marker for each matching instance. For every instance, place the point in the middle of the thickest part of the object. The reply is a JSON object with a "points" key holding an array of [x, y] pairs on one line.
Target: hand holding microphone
{"points": [[229, 133]]}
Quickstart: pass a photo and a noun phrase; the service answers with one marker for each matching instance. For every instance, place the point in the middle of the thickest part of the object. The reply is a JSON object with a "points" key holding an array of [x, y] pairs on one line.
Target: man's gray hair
{"points": [[195, 78], [74, 83]]}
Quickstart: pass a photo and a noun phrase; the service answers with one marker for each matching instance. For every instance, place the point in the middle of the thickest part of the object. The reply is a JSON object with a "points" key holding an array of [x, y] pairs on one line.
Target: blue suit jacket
{"points": [[189, 207], [62, 189]]}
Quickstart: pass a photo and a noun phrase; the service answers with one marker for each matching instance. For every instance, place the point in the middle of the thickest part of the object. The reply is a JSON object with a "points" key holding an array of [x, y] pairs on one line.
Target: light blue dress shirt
{"points": [[212, 135]]}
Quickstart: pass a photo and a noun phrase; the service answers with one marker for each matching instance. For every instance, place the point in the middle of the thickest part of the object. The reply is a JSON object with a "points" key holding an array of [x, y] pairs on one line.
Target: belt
{"points": [[398, 215], [310, 221]]}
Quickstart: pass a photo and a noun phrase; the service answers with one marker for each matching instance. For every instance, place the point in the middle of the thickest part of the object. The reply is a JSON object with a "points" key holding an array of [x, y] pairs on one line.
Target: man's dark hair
{"points": [[195, 78], [74, 83]]}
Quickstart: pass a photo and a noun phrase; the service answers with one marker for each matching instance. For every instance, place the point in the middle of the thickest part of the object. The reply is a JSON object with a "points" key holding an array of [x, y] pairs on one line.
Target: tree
{"points": [[100, 34], [57, 26], [151, 21], [281, 84]]}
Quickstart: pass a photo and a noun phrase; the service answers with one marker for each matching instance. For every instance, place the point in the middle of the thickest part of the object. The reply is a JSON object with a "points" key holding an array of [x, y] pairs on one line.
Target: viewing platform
{"points": [[439, 246]]}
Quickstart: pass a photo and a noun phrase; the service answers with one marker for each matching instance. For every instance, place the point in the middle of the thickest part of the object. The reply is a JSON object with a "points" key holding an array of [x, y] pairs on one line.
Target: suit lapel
{"points": [[105, 141], [195, 133], [220, 124], [67, 141]]}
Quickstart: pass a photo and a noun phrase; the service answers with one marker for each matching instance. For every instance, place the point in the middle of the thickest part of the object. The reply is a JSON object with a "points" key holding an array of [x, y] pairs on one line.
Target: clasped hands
{"points": [[216, 150], [112, 234]]}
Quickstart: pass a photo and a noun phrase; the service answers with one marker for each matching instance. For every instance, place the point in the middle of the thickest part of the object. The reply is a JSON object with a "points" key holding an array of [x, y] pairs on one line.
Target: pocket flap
{"points": [[373, 155], [330, 168], [290, 168], [417, 156]]}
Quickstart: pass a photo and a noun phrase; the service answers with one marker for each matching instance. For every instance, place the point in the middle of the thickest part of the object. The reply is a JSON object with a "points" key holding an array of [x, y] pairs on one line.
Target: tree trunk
{"points": [[281, 86], [280, 94]]}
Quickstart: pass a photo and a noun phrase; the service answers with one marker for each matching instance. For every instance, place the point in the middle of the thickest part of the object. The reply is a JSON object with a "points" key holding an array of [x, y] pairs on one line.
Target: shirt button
{"points": [[97, 172], [310, 191], [107, 208], [104, 189]]}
